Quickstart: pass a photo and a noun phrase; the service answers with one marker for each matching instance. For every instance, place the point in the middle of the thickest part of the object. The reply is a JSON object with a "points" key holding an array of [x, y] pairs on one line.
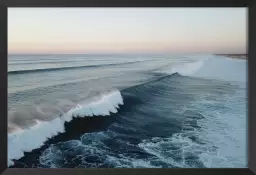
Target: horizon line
{"points": [[77, 53]]}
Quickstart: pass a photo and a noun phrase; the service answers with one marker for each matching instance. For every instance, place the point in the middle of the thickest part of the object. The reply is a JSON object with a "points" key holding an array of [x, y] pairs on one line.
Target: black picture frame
{"points": [[251, 122]]}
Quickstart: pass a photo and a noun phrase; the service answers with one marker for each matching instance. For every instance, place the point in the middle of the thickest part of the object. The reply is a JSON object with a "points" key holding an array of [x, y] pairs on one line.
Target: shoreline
{"points": [[235, 56]]}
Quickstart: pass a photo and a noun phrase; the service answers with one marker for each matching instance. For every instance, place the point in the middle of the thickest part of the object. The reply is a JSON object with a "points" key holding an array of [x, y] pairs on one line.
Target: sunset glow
{"points": [[86, 30]]}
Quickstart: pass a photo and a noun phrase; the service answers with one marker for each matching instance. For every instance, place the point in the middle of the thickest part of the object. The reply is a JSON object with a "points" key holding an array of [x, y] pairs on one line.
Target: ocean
{"points": [[126, 111]]}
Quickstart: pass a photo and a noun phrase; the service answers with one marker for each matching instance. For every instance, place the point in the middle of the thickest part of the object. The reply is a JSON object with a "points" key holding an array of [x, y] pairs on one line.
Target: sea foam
{"points": [[34, 137], [211, 67]]}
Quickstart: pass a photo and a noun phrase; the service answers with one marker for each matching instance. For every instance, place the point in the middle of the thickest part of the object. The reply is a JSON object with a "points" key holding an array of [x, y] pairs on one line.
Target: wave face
{"points": [[20, 141], [172, 113]]}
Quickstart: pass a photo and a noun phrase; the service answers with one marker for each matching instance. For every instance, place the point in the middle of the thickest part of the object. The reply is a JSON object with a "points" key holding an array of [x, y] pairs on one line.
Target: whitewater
{"points": [[129, 95]]}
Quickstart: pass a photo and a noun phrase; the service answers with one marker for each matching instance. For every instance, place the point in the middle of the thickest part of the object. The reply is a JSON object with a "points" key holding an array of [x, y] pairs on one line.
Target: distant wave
{"points": [[43, 62], [184, 69], [211, 67], [66, 68], [27, 62]]}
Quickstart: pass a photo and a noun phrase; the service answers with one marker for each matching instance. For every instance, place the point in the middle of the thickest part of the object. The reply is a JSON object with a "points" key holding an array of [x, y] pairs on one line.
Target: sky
{"points": [[118, 30]]}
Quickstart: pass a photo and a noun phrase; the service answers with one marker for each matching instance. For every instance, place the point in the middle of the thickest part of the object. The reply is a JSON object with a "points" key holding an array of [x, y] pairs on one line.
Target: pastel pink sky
{"points": [[86, 30]]}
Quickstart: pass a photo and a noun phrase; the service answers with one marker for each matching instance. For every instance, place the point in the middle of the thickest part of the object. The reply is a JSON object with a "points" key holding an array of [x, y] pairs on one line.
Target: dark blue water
{"points": [[129, 111]]}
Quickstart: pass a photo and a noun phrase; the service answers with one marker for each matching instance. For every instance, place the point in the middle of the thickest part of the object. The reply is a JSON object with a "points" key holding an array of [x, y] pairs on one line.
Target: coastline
{"points": [[235, 56]]}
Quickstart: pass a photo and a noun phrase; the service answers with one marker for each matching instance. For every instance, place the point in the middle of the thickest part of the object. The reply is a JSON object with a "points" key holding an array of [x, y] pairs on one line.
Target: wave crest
{"points": [[28, 139], [211, 67], [184, 69]]}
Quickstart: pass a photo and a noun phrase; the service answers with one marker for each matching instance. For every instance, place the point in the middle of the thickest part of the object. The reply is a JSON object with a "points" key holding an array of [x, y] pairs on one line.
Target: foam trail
{"points": [[34, 137], [213, 67], [185, 69], [188, 68], [223, 68]]}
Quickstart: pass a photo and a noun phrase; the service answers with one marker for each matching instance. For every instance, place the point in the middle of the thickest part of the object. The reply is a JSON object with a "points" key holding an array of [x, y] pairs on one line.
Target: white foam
{"points": [[222, 132], [81, 149], [227, 130], [187, 68], [208, 154], [224, 69], [214, 67], [123, 161], [28, 139], [154, 146]]}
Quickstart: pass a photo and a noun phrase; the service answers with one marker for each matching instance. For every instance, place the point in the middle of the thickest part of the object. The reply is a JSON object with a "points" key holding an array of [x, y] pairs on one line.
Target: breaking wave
{"points": [[211, 67], [20, 141], [183, 91]]}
